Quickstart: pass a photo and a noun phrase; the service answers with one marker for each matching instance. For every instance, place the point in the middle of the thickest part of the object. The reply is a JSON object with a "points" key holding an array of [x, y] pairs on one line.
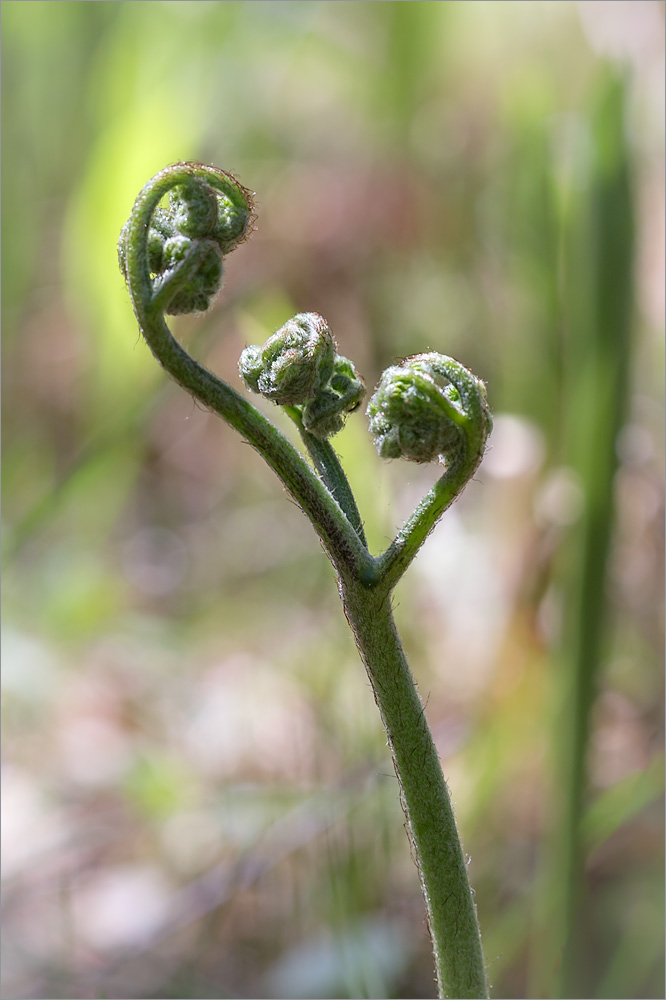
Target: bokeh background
{"points": [[198, 799]]}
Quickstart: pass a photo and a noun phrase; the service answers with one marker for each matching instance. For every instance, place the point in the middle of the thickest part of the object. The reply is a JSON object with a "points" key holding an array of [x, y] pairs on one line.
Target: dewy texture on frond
{"points": [[299, 366], [427, 409]]}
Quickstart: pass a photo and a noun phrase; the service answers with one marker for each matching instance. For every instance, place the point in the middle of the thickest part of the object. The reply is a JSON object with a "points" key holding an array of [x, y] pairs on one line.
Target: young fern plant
{"points": [[428, 408]]}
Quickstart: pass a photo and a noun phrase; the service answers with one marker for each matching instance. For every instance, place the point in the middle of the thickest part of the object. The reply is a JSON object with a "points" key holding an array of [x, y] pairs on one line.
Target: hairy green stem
{"points": [[327, 464], [429, 398], [425, 798], [397, 557]]}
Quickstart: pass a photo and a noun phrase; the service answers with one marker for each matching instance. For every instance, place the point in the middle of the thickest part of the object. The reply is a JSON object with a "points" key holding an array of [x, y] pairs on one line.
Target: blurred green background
{"points": [[198, 799]]}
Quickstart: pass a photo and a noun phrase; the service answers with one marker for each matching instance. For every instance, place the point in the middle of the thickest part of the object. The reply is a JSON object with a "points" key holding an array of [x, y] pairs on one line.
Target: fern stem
{"points": [[425, 798]]}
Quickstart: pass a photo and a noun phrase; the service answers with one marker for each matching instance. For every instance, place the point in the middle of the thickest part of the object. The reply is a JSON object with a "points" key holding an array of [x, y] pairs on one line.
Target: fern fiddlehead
{"points": [[428, 408], [299, 368]]}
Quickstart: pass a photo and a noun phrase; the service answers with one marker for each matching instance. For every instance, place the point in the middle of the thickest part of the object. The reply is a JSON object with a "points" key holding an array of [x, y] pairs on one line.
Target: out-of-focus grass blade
{"points": [[598, 279]]}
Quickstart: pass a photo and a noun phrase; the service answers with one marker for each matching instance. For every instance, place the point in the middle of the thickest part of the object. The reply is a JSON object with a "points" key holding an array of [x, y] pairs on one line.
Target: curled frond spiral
{"points": [[429, 408], [208, 215], [293, 364], [299, 366]]}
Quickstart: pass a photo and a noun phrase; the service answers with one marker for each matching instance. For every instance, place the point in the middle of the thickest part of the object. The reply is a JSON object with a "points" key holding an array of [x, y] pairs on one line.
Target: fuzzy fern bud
{"points": [[232, 224], [324, 415], [201, 217], [293, 364], [428, 408], [201, 288], [298, 366], [193, 208]]}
